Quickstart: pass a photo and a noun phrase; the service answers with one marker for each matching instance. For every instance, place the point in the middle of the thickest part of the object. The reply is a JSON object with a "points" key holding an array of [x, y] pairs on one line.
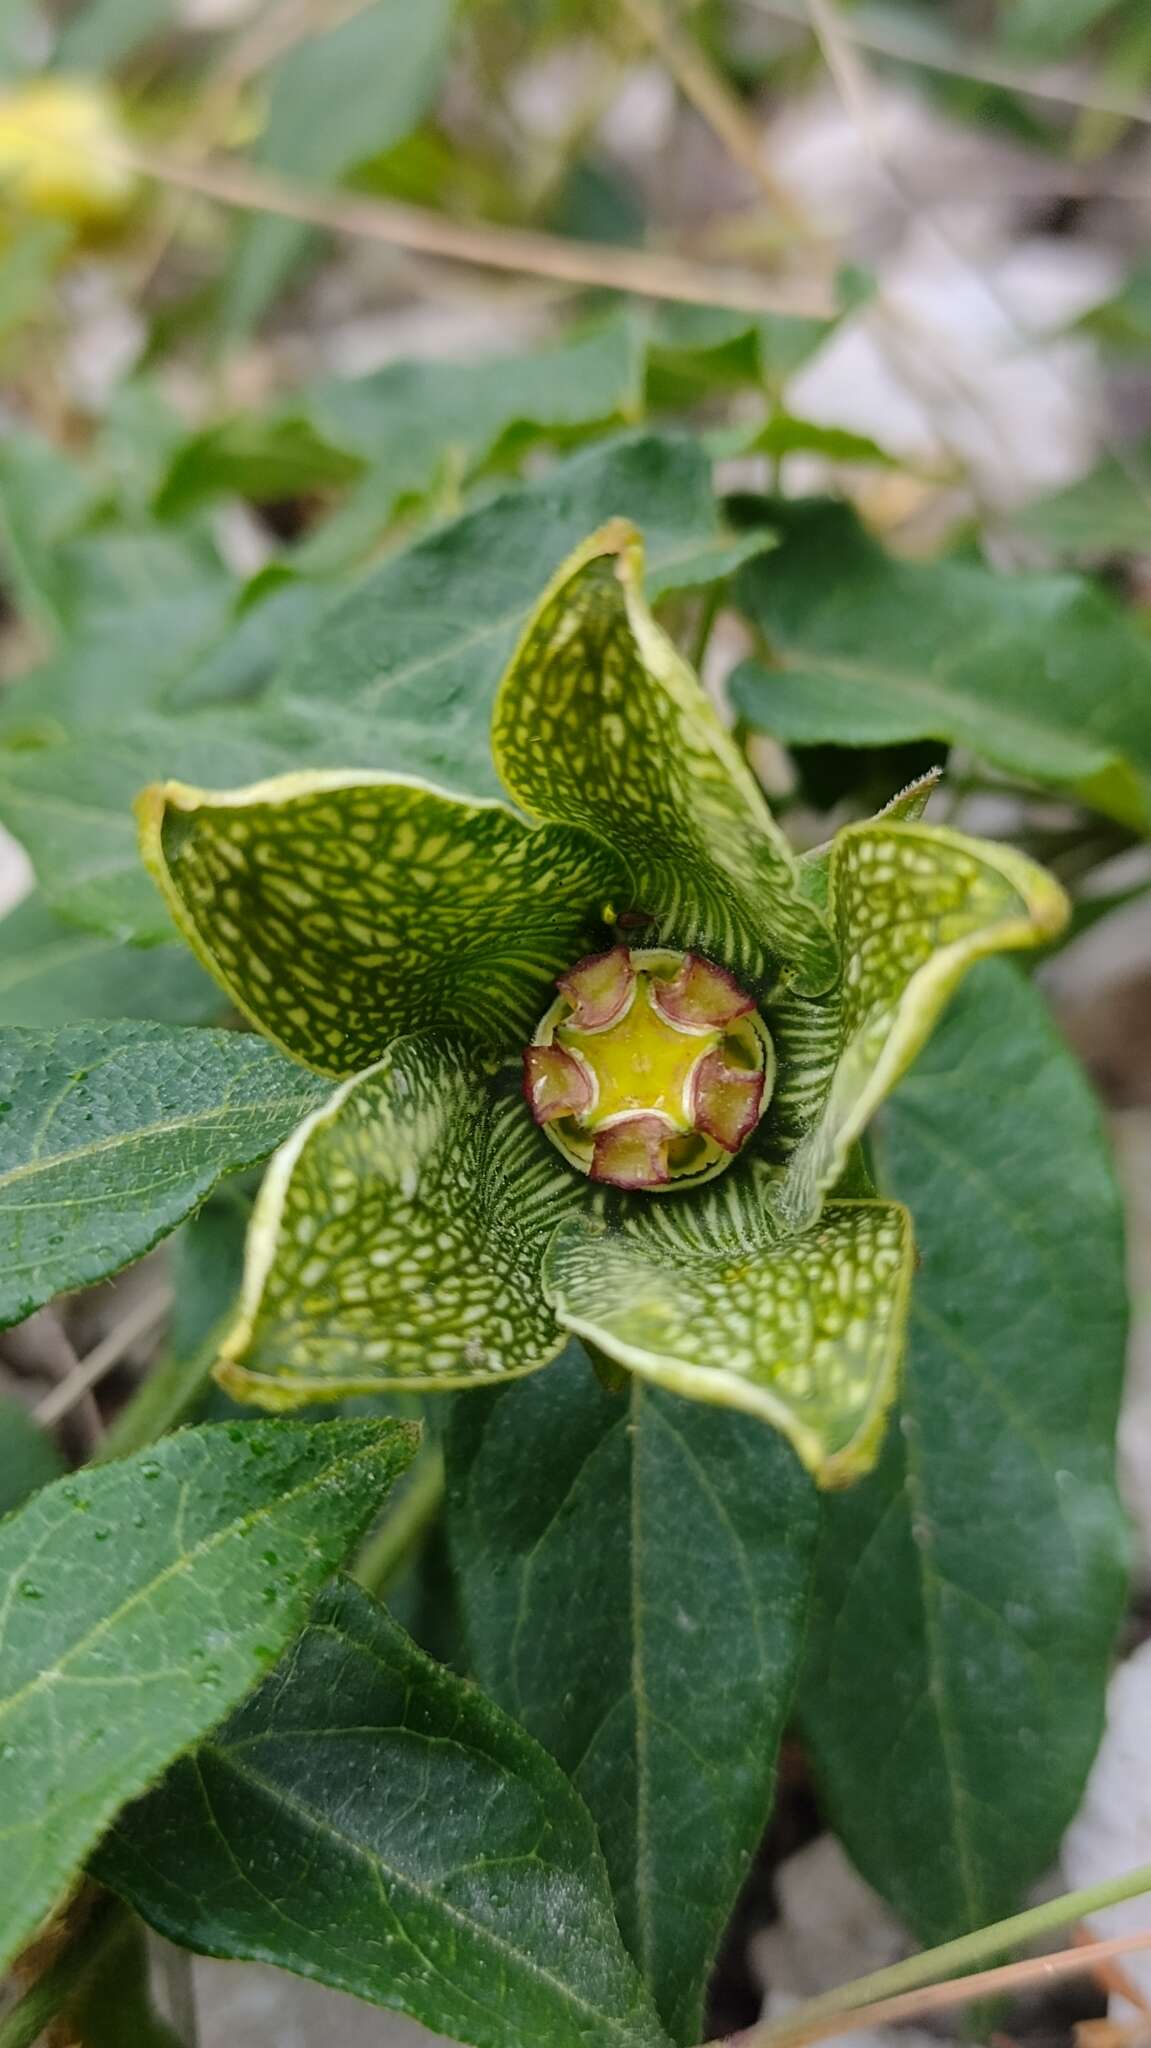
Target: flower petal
{"points": [[633, 1153], [727, 1100], [700, 995], [914, 906], [555, 1084], [396, 1241], [341, 910], [806, 1333], [599, 724], [599, 989]]}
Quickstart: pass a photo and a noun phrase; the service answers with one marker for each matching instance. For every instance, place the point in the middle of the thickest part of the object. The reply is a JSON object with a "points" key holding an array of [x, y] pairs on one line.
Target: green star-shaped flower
{"points": [[649, 1158]]}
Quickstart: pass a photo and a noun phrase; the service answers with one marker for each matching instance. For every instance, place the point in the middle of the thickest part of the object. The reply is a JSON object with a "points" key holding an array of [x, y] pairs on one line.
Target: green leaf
{"points": [[599, 725], [28, 1458], [634, 1573], [913, 907], [111, 1133], [290, 1837], [338, 911], [44, 498], [142, 1600], [334, 100], [694, 351], [969, 1591], [70, 805], [396, 1241], [1044, 29], [807, 1334], [103, 32], [403, 673], [1042, 675], [53, 973], [1105, 513], [419, 423], [1123, 323], [253, 458]]}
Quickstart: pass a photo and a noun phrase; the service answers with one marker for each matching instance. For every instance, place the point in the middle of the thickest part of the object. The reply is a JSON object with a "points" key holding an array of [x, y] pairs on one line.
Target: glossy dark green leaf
{"points": [[634, 1570], [403, 672], [28, 1458], [52, 972], [370, 1820], [1043, 676], [111, 1133], [334, 100], [969, 1590], [142, 1600]]}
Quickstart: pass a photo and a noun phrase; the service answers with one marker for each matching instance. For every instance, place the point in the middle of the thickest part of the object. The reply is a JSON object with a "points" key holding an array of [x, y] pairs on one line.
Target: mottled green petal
{"points": [[339, 911], [913, 907], [806, 1333], [600, 725], [397, 1238]]}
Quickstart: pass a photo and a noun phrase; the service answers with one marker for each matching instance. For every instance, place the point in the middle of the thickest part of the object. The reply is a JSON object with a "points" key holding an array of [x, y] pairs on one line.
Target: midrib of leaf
{"points": [[919, 688], [922, 1539], [645, 1928], [203, 1119], [144, 1593], [58, 953], [402, 1880]]}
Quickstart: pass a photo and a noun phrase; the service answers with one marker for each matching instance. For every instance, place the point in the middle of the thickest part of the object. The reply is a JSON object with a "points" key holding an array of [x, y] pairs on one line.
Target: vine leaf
{"points": [[110, 1134], [139, 1602], [397, 1238], [981, 1567], [634, 1573], [291, 1837]]}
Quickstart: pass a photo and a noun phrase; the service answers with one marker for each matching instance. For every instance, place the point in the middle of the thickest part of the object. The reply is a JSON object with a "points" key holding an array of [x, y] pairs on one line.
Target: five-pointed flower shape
{"points": [[429, 1226]]}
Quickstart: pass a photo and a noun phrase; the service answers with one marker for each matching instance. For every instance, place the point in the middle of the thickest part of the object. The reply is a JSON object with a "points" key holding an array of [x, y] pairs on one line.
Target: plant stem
{"points": [[63, 1978], [952, 1958], [983, 1986], [403, 1529]]}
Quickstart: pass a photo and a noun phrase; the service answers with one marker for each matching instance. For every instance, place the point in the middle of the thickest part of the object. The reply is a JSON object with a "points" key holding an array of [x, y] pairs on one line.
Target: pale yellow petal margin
{"points": [[340, 910], [914, 907], [807, 1334], [600, 724]]}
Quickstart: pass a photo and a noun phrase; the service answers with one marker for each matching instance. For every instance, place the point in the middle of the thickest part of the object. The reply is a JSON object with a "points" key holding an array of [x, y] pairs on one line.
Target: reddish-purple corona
{"points": [[650, 1070]]}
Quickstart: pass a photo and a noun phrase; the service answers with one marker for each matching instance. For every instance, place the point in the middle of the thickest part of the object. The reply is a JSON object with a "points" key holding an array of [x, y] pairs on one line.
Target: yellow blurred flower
{"points": [[59, 140]]}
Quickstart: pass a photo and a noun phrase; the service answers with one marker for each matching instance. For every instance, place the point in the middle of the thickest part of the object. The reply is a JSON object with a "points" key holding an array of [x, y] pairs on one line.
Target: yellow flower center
{"points": [[651, 1069]]}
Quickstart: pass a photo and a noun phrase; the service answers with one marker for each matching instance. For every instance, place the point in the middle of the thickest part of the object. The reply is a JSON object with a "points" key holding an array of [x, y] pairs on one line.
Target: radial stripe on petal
{"points": [[914, 907], [806, 1333], [600, 724], [339, 910], [397, 1239]]}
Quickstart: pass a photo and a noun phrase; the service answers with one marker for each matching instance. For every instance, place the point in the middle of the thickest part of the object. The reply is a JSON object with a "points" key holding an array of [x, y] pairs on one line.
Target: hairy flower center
{"points": [[650, 1069]]}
